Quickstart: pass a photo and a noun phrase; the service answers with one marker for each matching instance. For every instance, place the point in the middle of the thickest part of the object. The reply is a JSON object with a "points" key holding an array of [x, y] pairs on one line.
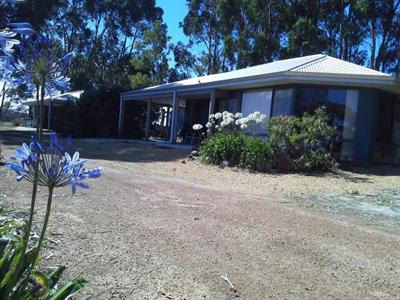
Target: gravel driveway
{"points": [[155, 228]]}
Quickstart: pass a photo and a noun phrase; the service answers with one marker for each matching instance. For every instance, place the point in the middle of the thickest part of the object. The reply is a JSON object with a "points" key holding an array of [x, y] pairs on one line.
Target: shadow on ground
{"points": [[130, 151], [113, 150]]}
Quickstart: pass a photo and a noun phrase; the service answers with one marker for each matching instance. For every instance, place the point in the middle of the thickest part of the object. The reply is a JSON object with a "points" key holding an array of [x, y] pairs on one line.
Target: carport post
{"points": [[175, 107], [212, 103], [148, 119], [121, 114]]}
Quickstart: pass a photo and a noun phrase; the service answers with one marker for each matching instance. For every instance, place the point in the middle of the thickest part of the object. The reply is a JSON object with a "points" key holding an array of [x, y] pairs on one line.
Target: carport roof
{"points": [[315, 68]]}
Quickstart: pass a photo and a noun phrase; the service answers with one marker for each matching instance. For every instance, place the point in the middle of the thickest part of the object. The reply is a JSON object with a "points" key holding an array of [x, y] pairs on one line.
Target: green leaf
{"points": [[68, 289]]}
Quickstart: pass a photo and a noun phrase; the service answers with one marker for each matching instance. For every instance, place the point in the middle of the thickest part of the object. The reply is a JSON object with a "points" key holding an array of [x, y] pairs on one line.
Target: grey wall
{"points": [[367, 117]]}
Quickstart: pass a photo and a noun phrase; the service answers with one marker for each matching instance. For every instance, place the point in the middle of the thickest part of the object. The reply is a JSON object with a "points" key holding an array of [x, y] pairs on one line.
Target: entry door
{"points": [[259, 100]]}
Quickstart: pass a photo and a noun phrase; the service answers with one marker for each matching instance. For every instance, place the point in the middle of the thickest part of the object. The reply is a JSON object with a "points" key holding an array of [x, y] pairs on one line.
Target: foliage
{"points": [[51, 167], [222, 148], [151, 67], [229, 122], [306, 141], [95, 115], [41, 286], [238, 33], [302, 144], [16, 122], [37, 68], [257, 154]]}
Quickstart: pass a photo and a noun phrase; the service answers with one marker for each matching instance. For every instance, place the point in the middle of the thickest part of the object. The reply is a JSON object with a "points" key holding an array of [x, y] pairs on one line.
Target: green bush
{"points": [[222, 147], [16, 122], [257, 154], [301, 144], [304, 144], [1, 145], [39, 285]]}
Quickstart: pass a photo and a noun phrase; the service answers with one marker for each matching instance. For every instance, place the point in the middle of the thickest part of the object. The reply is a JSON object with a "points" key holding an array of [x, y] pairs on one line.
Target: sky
{"points": [[174, 12]]}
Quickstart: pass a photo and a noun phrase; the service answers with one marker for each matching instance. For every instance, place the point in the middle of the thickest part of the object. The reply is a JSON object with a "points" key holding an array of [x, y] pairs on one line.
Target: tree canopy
{"points": [[125, 44]]}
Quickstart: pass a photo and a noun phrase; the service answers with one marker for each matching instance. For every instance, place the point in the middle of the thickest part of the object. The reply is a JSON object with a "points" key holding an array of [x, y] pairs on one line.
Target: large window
{"points": [[349, 125], [283, 102], [308, 99], [257, 101], [341, 105]]}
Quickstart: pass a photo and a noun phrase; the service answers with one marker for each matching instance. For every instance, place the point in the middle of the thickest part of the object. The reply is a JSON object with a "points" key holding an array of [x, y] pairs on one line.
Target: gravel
{"points": [[155, 228]]}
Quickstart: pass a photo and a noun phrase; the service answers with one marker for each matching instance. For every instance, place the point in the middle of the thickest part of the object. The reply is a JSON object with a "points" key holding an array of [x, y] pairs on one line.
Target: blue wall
{"points": [[367, 116]]}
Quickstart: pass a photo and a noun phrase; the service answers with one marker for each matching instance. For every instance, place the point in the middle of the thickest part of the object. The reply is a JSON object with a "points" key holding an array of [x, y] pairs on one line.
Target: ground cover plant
{"points": [[289, 143]]}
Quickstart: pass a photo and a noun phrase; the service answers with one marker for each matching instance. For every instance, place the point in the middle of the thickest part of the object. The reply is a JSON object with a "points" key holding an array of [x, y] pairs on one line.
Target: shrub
{"points": [[302, 143], [1, 145], [222, 147], [16, 122], [257, 154]]}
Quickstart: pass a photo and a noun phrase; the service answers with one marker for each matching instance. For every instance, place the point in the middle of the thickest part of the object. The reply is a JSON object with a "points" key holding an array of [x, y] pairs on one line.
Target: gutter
{"points": [[286, 76]]}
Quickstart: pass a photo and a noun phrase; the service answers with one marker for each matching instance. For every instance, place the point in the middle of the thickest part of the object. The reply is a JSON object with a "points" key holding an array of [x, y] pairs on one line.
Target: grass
{"points": [[378, 206]]}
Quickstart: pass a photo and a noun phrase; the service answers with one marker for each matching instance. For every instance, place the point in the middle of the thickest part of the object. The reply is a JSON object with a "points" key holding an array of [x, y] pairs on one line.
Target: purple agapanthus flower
{"points": [[8, 34], [39, 65], [55, 167]]}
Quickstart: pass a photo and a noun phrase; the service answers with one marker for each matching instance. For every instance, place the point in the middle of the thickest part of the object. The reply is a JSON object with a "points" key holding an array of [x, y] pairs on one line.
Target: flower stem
{"points": [[28, 227], [46, 221]]}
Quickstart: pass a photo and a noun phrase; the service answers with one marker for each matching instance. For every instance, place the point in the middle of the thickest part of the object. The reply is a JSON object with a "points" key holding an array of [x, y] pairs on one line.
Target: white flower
{"points": [[237, 122], [208, 125], [243, 126], [225, 113], [238, 115], [224, 123], [211, 116], [229, 120], [197, 127], [218, 115], [244, 120]]}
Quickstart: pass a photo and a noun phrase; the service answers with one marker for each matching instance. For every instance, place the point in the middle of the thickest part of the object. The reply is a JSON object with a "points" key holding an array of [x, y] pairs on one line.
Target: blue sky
{"points": [[174, 12]]}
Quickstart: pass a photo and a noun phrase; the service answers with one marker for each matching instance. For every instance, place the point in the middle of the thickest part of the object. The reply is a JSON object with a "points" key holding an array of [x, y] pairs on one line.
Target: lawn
{"points": [[154, 227]]}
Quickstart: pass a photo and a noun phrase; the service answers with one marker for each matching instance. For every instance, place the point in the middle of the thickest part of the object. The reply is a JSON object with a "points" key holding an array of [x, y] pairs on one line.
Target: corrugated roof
{"points": [[264, 69], [331, 65], [312, 64]]}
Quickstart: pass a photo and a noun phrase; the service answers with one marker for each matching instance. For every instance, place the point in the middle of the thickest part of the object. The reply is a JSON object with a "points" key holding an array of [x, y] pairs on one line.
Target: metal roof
{"points": [[60, 98], [313, 68], [331, 65]]}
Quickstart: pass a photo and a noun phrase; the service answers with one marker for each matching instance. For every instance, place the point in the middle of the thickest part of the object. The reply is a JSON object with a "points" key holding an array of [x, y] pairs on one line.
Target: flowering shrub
{"points": [[303, 144], [229, 122]]}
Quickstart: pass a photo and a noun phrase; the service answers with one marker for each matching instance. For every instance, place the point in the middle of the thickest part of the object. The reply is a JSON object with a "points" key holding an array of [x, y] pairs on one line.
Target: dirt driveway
{"points": [[155, 228]]}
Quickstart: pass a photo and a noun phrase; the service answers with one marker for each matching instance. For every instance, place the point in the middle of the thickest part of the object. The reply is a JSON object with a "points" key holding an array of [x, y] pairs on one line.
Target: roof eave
{"points": [[270, 79]]}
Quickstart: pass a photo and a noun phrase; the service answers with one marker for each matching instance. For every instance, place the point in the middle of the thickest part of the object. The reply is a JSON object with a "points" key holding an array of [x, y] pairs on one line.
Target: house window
{"points": [[341, 105], [349, 124], [335, 107], [308, 99], [257, 101], [283, 102]]}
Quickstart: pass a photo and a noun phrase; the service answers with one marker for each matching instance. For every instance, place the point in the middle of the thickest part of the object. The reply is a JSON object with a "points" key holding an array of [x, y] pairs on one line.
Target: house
{"points": [[52, 107], [364, 104]]}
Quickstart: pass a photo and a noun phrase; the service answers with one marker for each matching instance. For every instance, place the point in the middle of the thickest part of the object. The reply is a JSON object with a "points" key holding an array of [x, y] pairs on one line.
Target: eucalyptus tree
{"points": [[383, 34], [203, 26], [150, 61]]}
